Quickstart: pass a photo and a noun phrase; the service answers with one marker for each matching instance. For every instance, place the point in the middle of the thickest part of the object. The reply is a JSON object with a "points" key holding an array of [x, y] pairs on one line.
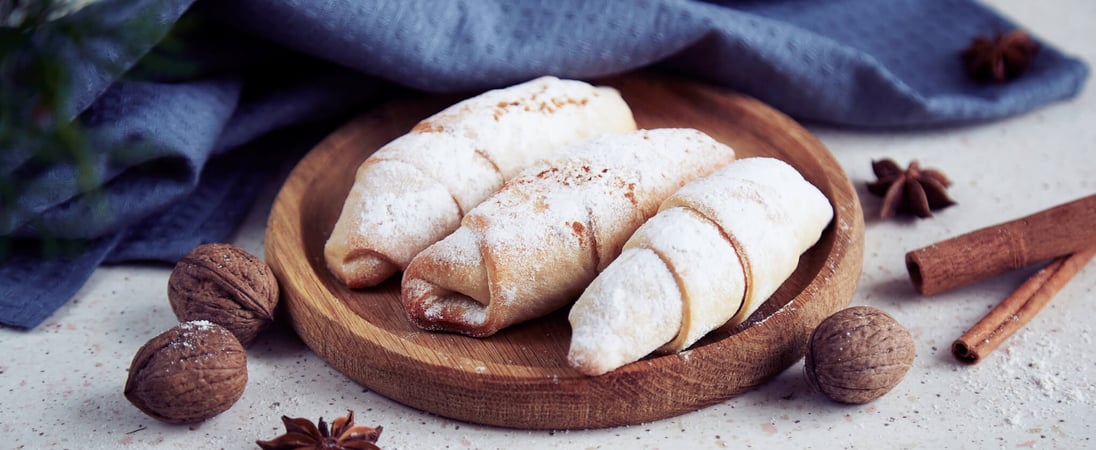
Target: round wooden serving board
{"points": [[519, 377]]}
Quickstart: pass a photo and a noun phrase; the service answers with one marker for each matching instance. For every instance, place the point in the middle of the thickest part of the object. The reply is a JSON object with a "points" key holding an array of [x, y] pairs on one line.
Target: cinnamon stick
{"points": [[1018, 308], [990, 251]]}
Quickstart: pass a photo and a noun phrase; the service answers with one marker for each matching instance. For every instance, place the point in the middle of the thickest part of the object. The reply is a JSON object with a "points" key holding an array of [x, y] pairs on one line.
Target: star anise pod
{"points": [[301, 434], [1000, 58], [914, 190]]}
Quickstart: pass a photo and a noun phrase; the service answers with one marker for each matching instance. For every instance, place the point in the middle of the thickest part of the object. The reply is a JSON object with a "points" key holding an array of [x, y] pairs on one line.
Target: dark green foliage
{"points": [[45, 48]]}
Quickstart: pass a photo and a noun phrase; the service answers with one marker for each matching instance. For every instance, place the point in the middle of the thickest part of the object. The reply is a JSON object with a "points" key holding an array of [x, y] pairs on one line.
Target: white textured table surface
{"points": [[61, 384]]}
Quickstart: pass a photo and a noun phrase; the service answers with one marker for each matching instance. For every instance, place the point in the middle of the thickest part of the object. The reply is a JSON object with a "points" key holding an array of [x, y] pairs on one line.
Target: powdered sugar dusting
{"points": [[191, 341], [199, 325], [757, 208], [396, 202], [705, 264], [452, 161], [191, 331], [548, 232], [515, 126], [460, 309], [636, 289], [1024, 372], [554, 214], [768, 210]]}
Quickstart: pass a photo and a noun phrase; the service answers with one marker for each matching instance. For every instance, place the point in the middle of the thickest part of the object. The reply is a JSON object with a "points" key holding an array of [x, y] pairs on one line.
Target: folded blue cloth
{"points": [[178, 158]]}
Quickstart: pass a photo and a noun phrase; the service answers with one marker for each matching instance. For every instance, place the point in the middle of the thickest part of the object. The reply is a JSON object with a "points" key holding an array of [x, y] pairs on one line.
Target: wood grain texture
{"points": [[519, 377]]}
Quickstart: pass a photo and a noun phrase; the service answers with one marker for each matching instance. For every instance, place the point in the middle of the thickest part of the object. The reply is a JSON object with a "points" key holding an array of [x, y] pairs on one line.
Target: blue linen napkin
{"points": [[268, 78]]}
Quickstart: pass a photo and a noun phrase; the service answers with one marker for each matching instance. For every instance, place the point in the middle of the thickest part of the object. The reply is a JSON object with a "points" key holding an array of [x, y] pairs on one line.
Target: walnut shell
{"points": [[226, 285], [188, 374], [858, 354]]}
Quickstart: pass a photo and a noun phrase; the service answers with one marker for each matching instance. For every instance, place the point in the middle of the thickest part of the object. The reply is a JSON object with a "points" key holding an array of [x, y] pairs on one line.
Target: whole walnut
{"points": [[188, 373], [226, 285], [858, 354]]}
